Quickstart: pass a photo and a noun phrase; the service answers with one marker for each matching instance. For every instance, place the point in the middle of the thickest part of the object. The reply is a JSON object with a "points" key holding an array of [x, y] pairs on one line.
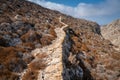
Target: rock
{"points": [[18, 17], [1, 11], [3, 6], [112, 33], [3, 42]]}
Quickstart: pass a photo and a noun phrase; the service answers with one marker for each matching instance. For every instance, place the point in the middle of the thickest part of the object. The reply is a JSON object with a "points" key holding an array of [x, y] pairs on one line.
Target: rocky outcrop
{"points": [[35, 44], [86, 59], [112, 33]]}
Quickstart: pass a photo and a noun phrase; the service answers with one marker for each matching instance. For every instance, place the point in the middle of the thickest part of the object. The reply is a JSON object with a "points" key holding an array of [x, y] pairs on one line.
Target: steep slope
{"points": [[112, 33], [91, 53], [40, 44]]}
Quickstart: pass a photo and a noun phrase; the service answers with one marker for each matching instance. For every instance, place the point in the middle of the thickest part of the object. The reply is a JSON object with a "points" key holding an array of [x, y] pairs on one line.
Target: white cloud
{"points": [[87, 11]]}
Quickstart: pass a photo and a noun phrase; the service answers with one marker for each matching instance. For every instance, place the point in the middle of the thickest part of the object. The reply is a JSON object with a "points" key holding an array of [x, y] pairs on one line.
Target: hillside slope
{"points": [[40, 44], [112, 33]]}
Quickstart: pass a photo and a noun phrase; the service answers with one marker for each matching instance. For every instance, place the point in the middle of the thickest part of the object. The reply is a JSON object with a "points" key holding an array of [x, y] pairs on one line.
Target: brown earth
{"points": [[27, 32]]}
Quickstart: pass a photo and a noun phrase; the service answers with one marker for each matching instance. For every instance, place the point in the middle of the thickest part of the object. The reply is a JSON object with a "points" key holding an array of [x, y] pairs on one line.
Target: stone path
{"points": [[54, 60]]}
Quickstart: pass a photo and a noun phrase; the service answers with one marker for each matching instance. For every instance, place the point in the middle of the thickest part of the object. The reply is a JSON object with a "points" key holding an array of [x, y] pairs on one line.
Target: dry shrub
{"points": [[75, 49], [46, 40], [37, 64], [5, 74], [6, 54], [41, 56], [10, 54], [116, 56], [11, 62], [30, 75], [28, 45], [29, 36], [84, 47], [77, 41], [52, 31]]}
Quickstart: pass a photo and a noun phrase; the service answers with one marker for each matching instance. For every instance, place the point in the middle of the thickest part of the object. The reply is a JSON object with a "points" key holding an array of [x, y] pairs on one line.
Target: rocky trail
{"points": [[54, 56]]}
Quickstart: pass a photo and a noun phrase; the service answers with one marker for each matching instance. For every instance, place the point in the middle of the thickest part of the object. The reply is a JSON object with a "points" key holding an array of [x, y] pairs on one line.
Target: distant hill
{"points": [[112, 33], [41, 44]]}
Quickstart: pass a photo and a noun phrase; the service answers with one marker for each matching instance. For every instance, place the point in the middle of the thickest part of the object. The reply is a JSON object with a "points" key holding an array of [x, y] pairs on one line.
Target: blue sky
{"points": [[74, 2], [100, 11]]}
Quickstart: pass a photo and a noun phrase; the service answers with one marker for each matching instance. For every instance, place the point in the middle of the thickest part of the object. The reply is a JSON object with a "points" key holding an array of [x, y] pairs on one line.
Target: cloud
{"points": [[94, 12]]}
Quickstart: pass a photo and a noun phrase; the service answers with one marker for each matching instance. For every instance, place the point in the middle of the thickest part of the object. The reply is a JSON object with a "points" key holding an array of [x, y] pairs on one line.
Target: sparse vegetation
{"points": [[25, 26]]}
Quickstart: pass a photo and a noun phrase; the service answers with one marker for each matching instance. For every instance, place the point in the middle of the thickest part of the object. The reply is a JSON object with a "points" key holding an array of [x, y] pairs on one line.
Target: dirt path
{"points": [[54, 60]]}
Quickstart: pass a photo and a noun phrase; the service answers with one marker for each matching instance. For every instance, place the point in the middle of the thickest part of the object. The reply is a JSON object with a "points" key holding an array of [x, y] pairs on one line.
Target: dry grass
{"points": [[34, 67], [30, 75], [37, 65]]}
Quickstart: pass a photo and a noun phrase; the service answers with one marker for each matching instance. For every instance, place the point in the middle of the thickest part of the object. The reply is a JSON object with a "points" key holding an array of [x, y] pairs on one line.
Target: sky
{"points": [[100, 11]]}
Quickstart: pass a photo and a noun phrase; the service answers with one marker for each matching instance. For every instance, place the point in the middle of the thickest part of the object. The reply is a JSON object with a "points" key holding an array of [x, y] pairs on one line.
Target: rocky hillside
{"points": [[112, 33], [40, 44]]}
